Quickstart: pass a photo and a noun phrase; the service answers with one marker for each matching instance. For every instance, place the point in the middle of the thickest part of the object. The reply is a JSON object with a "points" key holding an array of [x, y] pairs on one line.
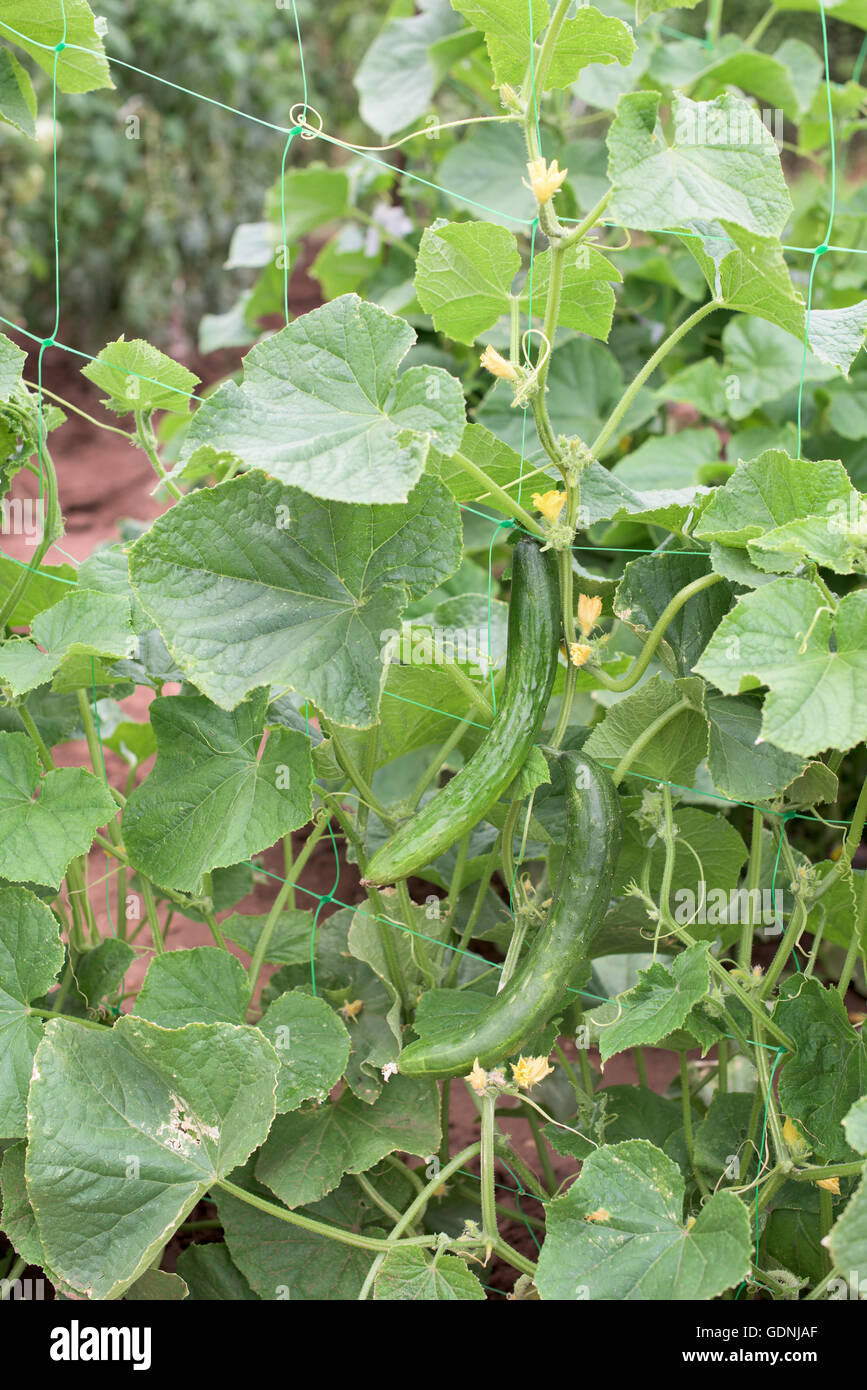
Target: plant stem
{"points": [[368, 1188], [146, 440], [261, 948], [489, 1200], [645, 737], [541, 1149], [549, 44], [647, 371], [657, 632], [754, 874], [41, 747], [791, 936], [714, 22], [686, 1106], [758, 30], [855, 942], [506, 503], [414, 1210], [475, 912], [355, 775], [321, 1228]]}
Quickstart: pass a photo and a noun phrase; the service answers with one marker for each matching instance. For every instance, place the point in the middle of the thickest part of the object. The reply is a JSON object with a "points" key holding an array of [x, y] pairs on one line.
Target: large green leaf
{"points": [[587, 301], [510, 26], [813, 663], [322, 407], [31, 955], [464, 275], [828, 1072], [619, 1233], [41, 25], [39, 838], [486, 174], [745, 767], [848, 1238], [674, 751], [199, 985], [722, 162], [398, 75], [312, 1044], [768, 492], [243, 601], [281, 1261], [17, 97], [660, 1002], [310, 198], [651, 582], [128, 1129], [762, 363], [414, 1275], [308, 1152], [210, 1275], [215, 797]]}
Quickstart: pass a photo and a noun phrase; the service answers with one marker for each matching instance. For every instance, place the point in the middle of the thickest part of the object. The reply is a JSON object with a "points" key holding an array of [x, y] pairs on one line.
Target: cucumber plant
{"points": [[524, 577]]}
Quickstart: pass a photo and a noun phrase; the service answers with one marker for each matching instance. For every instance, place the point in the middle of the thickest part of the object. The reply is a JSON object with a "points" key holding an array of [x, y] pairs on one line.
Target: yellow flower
{"points": [[529, 1071], [550, 504], [351, 1011], [545, 178], [579, 653], [830, 1185], [497, 365], [589, 610], [478, 1078]]}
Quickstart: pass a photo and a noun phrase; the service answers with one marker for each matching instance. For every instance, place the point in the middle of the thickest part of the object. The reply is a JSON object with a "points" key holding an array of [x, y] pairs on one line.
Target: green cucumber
{"points": [[528, 1000], [531, 663]]}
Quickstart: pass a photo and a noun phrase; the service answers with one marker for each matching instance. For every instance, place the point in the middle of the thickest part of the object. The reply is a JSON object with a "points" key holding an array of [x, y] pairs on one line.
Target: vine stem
{"points": [[356, 776], [488, 1193], [146, 440], [321, 1228], [395, 971], [647, 371], [686, 1105], [657, 632], [754, 874], [507, 503], [52, 531], [415, 1209], [645, 737], [283, 896]]}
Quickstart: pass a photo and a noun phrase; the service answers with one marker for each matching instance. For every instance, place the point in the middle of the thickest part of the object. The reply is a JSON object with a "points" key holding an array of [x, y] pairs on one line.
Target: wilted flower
{"points": [[550, 504], [529, 1071], [545, 178], [830, 1185], [589, 610], [351, 1011], [497, 365], [478, 1078]]}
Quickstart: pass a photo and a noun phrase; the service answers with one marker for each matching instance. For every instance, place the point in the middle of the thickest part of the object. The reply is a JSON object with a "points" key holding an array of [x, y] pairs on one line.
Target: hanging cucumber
{"points": [[524, 1005], [531, 663]]}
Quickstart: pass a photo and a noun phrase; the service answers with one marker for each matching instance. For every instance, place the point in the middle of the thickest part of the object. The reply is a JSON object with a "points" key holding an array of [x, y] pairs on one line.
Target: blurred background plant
{"points": [[152, 182]]}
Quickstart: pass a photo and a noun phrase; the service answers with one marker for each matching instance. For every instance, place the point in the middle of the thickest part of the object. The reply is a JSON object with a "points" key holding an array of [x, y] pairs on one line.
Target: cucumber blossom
{"points": [[531, 664], [581, 898]]}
